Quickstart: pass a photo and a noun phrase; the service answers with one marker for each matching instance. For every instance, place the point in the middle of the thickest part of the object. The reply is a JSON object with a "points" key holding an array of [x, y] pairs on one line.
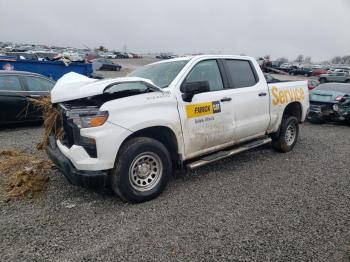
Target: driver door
{"points": [[208, 120]]}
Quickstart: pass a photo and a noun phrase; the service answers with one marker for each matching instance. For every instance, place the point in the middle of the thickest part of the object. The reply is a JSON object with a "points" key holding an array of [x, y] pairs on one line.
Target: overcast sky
{"points": [[316, 28]]}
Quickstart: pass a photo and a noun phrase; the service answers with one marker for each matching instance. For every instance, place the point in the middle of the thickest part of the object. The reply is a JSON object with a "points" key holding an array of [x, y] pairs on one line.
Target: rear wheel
{"points": [[142, 170], [347, 81], [285, 140]]}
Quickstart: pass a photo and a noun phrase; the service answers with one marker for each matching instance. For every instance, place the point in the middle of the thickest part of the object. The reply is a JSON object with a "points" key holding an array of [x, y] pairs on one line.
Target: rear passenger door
{"points": [[12, 99], [251, 99]]}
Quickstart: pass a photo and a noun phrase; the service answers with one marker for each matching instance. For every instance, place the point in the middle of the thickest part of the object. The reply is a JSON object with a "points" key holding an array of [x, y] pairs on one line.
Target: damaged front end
{"points": [[338, 110], [79, 152]]}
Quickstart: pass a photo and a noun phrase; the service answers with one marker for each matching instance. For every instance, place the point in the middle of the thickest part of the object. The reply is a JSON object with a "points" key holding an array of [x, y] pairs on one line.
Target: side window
{"points": [[207, 70], [241, 73], [10, 83], [38, 84]]}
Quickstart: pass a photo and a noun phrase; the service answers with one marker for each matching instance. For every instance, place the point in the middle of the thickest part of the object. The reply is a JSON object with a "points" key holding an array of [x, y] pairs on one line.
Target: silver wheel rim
{"points": [[145, 171], [291, 133]]}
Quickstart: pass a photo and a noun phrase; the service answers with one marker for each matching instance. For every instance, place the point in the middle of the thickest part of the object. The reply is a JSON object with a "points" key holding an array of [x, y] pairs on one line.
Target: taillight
{"points": [[311, 87], [338, 98]]}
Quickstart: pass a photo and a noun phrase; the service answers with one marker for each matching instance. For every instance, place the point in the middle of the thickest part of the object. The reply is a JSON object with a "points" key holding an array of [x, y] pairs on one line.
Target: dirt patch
{"points": [[22, 175]]}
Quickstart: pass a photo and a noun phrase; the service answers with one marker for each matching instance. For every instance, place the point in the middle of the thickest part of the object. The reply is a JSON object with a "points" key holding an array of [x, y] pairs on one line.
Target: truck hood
{"points": [[73, 86]]}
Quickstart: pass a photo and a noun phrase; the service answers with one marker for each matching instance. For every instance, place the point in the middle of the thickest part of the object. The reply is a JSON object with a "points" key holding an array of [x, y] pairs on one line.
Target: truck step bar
{"points": [[227, 153]]}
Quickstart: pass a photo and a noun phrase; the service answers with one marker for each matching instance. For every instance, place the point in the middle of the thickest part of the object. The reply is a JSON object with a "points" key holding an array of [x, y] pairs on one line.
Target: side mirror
{"points": [[189, 89]]}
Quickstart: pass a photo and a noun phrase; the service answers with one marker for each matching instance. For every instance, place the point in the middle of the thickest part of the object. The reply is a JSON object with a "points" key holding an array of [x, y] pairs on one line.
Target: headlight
{"points": [[93, 119], [90, 118], [335, 107]]}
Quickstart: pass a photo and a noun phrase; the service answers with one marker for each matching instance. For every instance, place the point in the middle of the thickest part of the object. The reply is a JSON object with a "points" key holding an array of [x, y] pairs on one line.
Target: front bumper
{"points": [[328, 112], [83, 178]]}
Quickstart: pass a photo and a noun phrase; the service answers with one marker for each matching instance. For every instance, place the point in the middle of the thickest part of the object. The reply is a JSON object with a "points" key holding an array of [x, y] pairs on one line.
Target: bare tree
{"points": [[267, 57], [308, 59], [299, 59], [282, 60], [336, 60]]}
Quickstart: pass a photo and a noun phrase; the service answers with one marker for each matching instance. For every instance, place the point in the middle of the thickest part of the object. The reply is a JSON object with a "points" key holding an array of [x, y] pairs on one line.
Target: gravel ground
{"points": [[257, 206]]}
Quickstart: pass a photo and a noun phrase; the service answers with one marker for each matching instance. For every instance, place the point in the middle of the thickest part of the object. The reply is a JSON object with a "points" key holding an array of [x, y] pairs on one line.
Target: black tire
{"points": [[280, 142], [347, 81], [323, 80], [127, 182]]}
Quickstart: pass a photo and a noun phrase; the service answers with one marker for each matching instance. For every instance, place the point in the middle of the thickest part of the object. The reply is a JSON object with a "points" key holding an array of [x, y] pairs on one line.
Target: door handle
{"points": [[262, 94], [225, 99]]}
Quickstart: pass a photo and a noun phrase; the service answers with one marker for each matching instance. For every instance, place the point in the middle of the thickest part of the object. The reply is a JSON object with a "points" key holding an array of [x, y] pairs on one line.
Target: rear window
{"points": [[241, 73], [10, 83], [344, 88]]}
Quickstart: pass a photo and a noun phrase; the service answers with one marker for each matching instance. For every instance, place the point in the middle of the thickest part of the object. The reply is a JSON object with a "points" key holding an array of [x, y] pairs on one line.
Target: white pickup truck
{"points": [[130, 133]]}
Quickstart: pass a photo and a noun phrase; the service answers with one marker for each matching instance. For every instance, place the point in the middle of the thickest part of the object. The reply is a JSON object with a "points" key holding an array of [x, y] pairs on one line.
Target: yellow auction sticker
{"points": [[203, 109]]}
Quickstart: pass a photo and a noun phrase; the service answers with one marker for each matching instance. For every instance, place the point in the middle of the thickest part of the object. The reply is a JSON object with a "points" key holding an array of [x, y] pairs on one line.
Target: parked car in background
{"points": [[341, 70], [330, 102], [320, 71], [301, 71], [108, 55], [23, 55], [121, 55], [312, 83], [42, 56], [15, 89], [340, 77], [136, 55], [89, 57], [270, 79], [105, 64], [165, 56], [287, 67]]}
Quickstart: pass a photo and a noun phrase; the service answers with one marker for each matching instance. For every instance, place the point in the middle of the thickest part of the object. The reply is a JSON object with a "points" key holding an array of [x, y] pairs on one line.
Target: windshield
{"points": [[161, 74], [344, 88]]}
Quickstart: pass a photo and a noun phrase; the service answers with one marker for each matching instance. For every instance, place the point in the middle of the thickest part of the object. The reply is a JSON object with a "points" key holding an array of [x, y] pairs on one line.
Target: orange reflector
{"points": [[98, 121]]}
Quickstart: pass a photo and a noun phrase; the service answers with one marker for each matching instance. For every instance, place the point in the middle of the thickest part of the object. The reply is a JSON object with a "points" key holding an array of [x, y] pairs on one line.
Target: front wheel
{"points": [[285, 140], [142, 170]]}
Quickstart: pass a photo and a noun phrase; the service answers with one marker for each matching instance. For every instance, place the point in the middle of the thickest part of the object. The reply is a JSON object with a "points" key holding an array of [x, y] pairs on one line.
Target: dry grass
{"points": [[52, 120], [23, 175]]}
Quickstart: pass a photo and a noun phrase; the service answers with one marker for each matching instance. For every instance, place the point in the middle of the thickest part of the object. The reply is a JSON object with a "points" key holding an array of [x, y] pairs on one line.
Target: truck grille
{"points": [[71, 131]]}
